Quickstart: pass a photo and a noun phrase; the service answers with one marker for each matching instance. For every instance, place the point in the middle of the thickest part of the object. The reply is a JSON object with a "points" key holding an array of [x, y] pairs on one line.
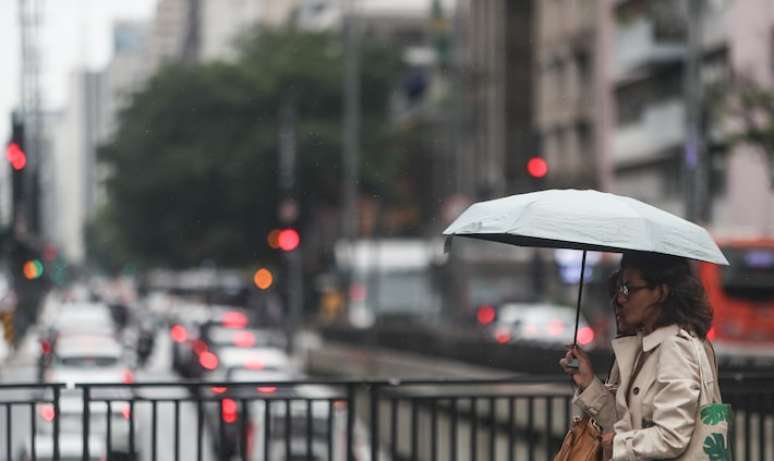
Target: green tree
{"points": [[194, 160], [745, 110]]}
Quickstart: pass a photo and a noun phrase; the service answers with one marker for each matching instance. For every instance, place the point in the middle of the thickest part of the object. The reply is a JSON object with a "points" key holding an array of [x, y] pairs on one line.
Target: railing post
{"points": [[374, 401], [350, 420], [56, 422], [86, 397]]}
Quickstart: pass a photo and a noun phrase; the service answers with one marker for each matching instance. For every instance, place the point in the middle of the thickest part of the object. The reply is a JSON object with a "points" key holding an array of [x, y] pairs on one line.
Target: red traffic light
{"points": [[537, 167], [16, 156], [288, 239]]}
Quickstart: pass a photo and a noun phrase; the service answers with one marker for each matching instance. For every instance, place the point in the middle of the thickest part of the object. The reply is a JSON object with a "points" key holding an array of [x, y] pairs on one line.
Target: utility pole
{"points": [[30, 111], [695, 160], [288, 216], [351, 135]]}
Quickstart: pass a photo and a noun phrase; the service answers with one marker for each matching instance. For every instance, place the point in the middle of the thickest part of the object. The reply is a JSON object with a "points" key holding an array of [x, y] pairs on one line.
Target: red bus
{"points": [[742, 296]]}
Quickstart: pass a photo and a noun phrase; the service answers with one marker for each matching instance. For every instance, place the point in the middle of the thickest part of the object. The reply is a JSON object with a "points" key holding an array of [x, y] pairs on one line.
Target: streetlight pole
{"points": [[350, 135], [288, 215], [695, 160]]}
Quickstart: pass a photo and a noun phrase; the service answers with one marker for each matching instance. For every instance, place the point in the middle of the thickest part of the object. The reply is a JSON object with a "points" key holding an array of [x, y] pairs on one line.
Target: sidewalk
{"points": [[25, 354]]}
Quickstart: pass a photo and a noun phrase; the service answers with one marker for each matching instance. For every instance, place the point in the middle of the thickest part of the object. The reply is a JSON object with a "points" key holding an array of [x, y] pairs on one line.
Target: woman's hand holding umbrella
{"points": [[583, 374]]}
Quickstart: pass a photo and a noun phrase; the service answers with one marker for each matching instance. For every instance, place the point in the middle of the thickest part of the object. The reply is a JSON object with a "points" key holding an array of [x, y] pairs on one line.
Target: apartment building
{"points": [[497, 135], [650, 154], [573, 104]]}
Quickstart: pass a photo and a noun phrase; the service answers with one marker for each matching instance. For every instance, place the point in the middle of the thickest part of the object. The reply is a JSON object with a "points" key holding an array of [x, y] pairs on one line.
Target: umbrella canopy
{"points": [[585, 220]]}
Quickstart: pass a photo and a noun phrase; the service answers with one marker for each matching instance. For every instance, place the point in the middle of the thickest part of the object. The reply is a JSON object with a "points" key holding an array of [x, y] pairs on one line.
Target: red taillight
{"points": [[126, 411], [128, 377], [358, 293], [711, 334], [503, 336], [555, 327], [179, 333], [254, 365], [485, 314], [199, 346], [244, 339], [585, 336], [218, 389], [208, 360], [45, 347], [234, 319], [228, 411], [266, 389], [47, 412]]}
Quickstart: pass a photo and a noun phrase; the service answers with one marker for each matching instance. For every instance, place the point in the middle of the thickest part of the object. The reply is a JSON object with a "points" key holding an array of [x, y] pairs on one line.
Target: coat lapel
{"points": [[626, 349]]}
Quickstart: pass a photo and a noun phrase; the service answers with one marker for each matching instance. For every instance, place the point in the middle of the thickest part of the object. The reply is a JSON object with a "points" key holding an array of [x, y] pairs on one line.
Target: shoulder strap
{"points": [[706, 394]]}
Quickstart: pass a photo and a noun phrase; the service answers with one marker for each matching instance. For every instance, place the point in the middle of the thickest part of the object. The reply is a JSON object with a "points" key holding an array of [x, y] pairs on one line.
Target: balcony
{"points": [[661, 126], [637, 48]]}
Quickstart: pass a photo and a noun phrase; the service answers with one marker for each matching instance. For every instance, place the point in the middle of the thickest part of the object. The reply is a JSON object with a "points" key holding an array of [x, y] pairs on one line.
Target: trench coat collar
{"points": [[657, 336]]}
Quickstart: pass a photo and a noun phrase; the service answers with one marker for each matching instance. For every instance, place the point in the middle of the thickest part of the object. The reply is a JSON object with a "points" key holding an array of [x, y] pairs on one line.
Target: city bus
{"points": [[742, 297]]}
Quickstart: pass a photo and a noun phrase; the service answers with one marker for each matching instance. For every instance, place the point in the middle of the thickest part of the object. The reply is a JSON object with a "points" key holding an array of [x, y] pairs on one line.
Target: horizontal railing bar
{"points": [[217, 399], [31, 385], [24, 402], [365, 382]]}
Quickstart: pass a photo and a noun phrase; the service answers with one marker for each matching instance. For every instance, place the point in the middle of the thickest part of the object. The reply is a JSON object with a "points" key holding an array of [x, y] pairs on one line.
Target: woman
{"points": [[649, 409]]}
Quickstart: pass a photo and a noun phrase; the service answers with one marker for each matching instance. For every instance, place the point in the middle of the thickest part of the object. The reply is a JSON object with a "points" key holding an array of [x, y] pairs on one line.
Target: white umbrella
{"points": [[585, 220]]}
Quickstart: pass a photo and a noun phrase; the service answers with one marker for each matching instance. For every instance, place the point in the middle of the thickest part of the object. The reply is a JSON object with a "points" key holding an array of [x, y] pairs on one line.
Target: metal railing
{"points": [[461, 419]]}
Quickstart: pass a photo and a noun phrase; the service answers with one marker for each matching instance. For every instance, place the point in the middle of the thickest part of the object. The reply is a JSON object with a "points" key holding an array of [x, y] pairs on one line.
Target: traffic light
{"points": [[32, 269], [288, 239], [7, 318], [537, 167], [263, 278], [14, 151], [16, 156]]}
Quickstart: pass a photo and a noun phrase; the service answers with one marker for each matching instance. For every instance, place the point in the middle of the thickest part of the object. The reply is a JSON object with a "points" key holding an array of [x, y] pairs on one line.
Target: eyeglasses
{"points": [[625, 290]]}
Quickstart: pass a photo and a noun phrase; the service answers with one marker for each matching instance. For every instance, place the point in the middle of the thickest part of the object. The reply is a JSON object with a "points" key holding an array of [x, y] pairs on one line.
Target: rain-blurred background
{"points": [[300, 158]]}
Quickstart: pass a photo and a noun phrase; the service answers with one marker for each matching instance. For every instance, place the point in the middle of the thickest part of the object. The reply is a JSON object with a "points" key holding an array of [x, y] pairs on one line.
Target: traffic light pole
{"points": [[694, 151], [288, 215]]}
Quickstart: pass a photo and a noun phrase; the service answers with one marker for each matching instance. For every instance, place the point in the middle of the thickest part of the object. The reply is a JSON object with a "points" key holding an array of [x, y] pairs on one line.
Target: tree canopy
{"points": [[194, 162]]}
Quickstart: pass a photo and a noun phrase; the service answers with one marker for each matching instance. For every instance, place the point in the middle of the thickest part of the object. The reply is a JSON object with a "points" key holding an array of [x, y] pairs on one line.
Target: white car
{"points": [[89, 359], [254, 358], [84, 318], [540, 323]]}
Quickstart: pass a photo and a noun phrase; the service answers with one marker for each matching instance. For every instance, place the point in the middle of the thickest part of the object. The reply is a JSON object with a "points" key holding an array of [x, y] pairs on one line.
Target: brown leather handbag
{"points": [[583, 441]]}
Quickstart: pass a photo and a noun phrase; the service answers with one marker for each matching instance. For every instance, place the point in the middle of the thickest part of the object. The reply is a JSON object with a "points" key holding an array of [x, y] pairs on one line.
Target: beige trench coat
{"points": [[657, 418]]}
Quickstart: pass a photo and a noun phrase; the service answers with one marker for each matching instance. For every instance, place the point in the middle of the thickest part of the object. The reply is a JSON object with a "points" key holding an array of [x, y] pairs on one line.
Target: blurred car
{"points": [[539, 323], [227, 433], [253, 358], [72, 319], [224, 419], [218, 337], [89, 359], [186, 343], [190, 331]]}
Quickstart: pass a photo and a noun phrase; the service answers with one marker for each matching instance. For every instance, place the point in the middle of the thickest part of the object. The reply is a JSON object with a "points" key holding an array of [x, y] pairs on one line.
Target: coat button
{"points": [[636, 390]]}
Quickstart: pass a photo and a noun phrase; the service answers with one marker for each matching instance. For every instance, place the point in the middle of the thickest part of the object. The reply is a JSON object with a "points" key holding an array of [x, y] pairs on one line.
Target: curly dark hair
{"points": [[687, 304]]}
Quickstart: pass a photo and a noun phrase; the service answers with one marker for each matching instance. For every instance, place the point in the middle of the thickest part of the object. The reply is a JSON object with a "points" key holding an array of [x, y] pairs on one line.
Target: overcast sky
{"points": [[73, 33]]}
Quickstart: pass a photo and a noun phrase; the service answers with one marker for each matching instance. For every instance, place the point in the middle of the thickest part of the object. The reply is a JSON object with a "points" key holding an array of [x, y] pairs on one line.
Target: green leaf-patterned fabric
{"points": [[715, 447], [714, 414]]}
